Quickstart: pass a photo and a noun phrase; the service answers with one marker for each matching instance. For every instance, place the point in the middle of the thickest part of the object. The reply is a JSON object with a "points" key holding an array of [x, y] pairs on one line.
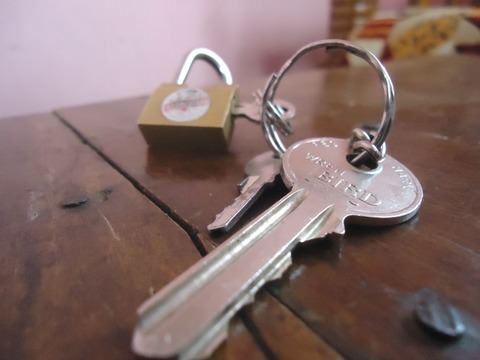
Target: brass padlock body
{"points": [[180, 117]]}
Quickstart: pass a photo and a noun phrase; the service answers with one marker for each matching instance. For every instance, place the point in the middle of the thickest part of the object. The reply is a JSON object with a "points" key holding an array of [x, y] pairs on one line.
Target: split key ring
{"points": [[365, 150]]}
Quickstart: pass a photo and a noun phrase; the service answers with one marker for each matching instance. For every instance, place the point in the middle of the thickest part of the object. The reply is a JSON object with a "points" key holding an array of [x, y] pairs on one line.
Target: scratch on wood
{"points": [[296, 272], [32, 211], [110, 227], [436, 136]]}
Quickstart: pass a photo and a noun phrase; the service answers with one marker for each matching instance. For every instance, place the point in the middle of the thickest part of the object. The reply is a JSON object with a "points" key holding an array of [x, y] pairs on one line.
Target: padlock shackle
{"points": [[210, 57]]}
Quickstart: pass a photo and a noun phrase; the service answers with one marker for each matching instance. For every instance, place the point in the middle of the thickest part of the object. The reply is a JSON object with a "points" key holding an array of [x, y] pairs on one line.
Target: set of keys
{"points": [[331, 181]]}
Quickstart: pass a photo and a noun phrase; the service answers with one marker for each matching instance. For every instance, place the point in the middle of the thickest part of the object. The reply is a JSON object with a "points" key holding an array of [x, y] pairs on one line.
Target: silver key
{"points": [[189, 317], [261, 172], [282, 112], [252, 110]]}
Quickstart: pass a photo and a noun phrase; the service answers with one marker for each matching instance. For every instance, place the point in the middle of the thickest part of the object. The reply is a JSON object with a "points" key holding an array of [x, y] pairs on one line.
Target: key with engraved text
{"points": [[189, 317]]}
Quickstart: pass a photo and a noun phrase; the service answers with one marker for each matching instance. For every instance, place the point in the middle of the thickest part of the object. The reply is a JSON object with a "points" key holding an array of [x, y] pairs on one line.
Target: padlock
{"points": [[177, 116]]}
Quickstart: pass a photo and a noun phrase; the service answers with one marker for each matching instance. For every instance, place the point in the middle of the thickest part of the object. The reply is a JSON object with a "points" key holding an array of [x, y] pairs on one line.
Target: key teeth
{"points": [[242, 184], [340, 229], [222, 226], [213, 227], [246, 183], [337, 229], [282, 267]]}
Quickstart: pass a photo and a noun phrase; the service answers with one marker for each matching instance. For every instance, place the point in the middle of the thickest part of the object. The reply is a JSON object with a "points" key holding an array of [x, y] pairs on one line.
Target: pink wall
{"points": [[60, 53]]}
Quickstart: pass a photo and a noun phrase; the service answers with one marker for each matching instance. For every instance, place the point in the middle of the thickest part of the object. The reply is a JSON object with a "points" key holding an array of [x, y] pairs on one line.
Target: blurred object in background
{"points": [[348, 13], [345, 15], [61, 53], [423, 28]]}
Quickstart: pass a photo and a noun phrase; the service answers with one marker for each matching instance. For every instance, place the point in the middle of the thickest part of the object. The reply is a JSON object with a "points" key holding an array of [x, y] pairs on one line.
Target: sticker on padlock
{"points": [[181, 117]]}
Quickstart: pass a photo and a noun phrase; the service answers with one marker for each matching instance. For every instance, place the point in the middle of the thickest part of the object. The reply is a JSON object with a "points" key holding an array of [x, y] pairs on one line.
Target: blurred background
{"points": [[57, 53]]}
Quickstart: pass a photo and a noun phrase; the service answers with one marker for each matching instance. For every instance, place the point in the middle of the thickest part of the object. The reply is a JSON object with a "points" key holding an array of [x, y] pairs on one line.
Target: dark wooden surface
{"points": [[67, 281], [71, 278]]}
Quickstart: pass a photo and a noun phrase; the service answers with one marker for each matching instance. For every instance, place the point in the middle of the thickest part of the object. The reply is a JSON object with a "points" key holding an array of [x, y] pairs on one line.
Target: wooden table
{"points": [[92, 222]]}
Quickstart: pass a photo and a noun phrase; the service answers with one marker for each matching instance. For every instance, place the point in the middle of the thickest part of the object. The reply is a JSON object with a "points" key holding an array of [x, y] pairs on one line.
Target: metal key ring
{"points": [[368, 148]]}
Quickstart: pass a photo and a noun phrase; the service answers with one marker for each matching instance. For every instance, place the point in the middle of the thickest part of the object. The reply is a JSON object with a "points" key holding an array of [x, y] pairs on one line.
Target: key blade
{"points": [[249, 111], [185, 320], [262, 171], [323, 224], [329, 221], [322, 218], [178, 321], [231, 214], [246, 183], [147, 345]]}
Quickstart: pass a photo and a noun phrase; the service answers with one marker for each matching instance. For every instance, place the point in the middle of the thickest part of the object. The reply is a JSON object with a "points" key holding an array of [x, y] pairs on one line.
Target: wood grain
{"points": [[287, 337], [355, 292], [80, 249]]}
